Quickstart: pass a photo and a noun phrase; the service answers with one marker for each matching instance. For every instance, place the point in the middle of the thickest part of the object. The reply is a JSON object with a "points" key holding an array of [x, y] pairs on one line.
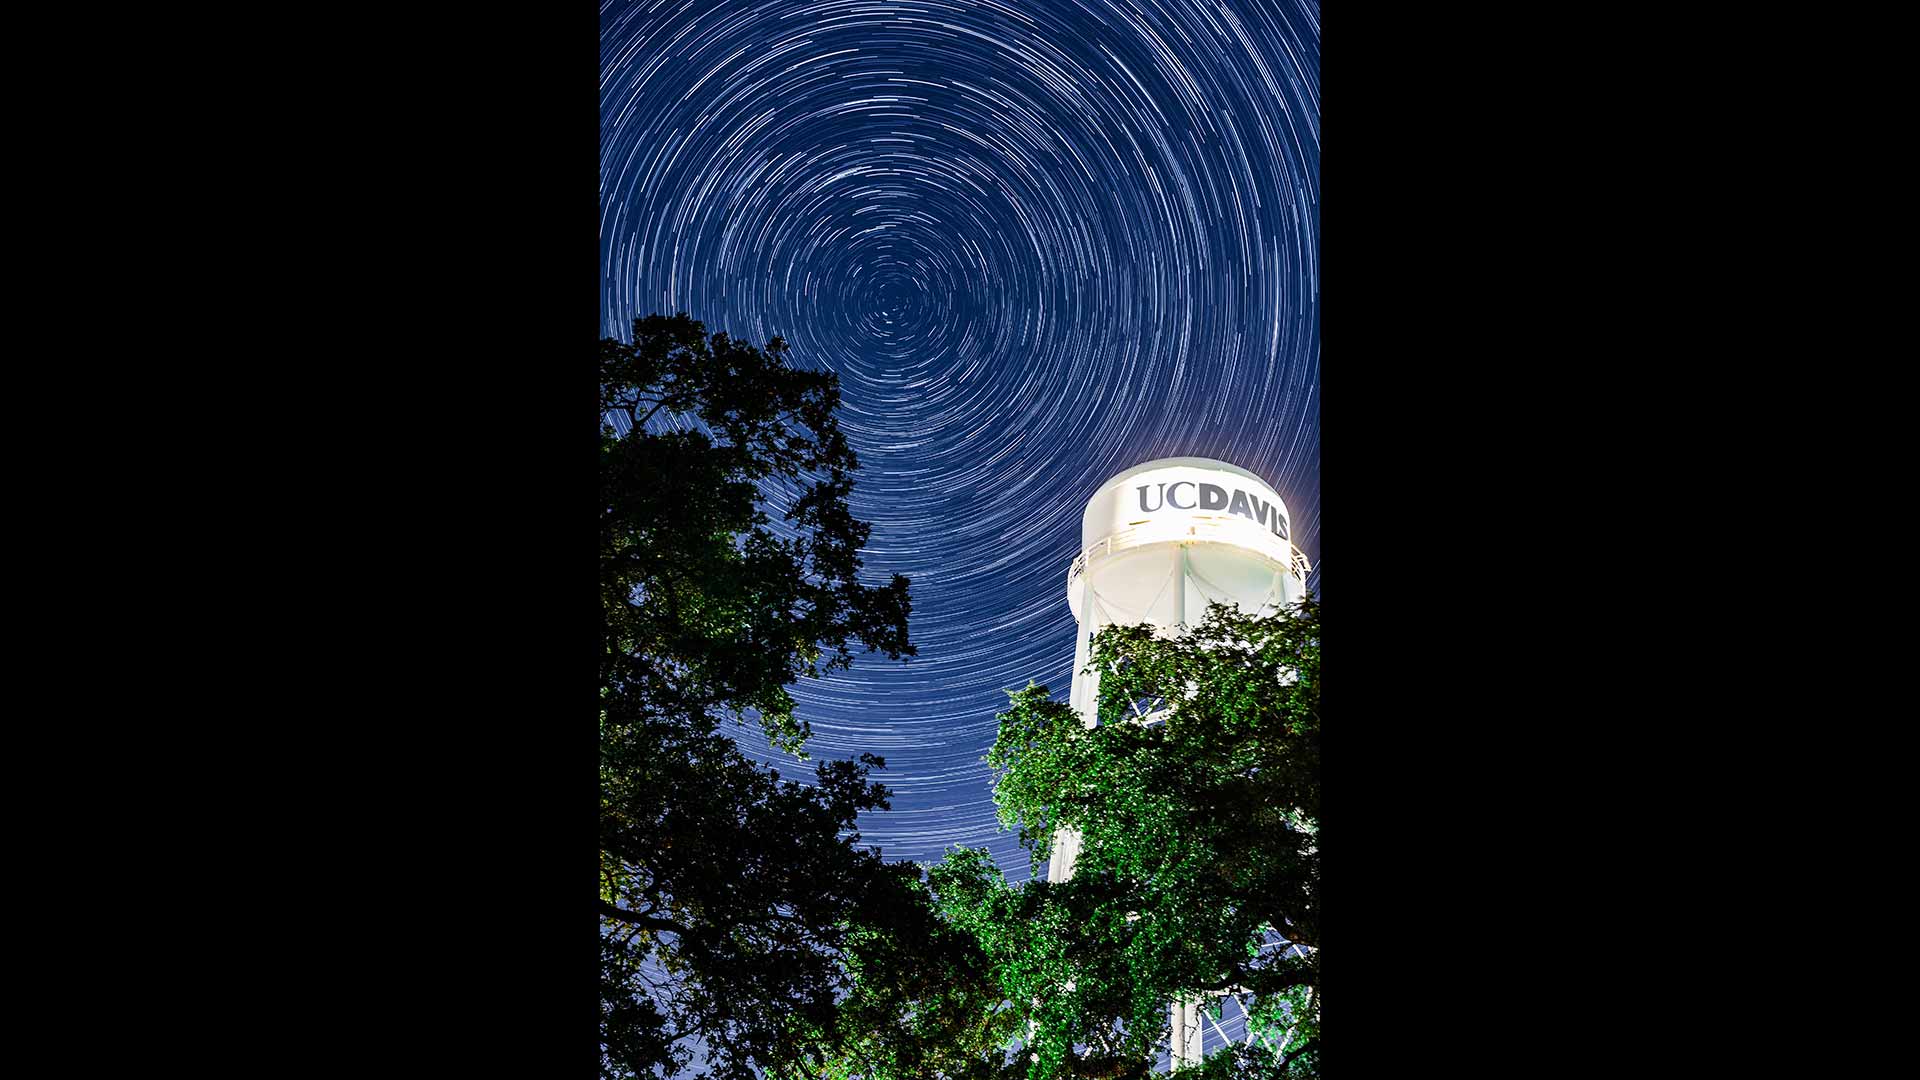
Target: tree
{"points": [[705, 609], [1199, 867], [923, 1001], [726, 893]]}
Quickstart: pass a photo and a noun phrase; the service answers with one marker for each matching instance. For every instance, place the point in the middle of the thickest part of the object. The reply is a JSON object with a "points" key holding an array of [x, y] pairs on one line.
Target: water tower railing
{"points": [[1233, 531]]}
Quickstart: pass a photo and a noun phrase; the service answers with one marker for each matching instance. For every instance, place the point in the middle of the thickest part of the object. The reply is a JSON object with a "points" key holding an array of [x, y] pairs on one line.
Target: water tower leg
{"points": [[1180, 587], [1186, 1033]]}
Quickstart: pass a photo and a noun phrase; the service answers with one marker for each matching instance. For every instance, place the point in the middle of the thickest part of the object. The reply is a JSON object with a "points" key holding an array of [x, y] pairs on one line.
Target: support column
{"points": [[1066, 852], [1186, 1033], [1180, 587], [1185, 1015]]}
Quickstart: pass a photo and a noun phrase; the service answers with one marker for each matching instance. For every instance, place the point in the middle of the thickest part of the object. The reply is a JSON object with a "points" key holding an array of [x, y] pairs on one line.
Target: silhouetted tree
{"points": [[726, 893]]}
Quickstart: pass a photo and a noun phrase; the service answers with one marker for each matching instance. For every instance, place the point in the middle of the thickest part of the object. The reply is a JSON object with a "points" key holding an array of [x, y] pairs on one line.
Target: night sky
{"points": [[1039, 240]]}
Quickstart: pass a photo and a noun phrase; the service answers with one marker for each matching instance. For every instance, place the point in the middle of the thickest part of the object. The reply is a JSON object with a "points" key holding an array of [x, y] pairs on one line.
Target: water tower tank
{"points": [[1161, 541]]}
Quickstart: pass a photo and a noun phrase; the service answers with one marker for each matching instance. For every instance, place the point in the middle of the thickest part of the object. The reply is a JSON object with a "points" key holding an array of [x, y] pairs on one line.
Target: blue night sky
{"points": [[1039, 240]]}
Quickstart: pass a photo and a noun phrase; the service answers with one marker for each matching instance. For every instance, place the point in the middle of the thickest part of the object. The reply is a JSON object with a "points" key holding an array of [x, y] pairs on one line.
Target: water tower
{"points": [[1158, 543]]}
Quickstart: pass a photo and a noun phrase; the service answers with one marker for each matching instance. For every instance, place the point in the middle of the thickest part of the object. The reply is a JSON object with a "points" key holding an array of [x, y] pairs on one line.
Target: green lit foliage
{"points": [[924, 1002], [728, 896], [1198, 798]]}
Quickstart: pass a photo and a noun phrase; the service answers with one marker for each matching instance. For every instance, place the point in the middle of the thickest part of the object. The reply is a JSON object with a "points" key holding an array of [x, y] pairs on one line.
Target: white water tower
{"points": [[1158, 543]]}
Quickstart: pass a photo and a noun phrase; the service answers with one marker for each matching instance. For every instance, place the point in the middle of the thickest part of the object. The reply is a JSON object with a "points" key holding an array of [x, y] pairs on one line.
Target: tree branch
{"points": [[644, 922], [655, 922], [664, 402], [1264, 981]]}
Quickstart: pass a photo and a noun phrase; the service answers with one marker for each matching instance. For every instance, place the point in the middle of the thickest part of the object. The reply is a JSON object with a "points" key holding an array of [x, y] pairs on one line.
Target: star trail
{"points": [[1040, 241]]}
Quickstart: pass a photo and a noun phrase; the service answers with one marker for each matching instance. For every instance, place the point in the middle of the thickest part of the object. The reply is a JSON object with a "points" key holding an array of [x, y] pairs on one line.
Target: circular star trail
{"points": [[1039, 241]]}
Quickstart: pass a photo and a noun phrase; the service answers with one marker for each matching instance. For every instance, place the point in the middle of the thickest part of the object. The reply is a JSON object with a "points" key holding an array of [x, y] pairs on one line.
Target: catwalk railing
{"points": [[1233, 530]]}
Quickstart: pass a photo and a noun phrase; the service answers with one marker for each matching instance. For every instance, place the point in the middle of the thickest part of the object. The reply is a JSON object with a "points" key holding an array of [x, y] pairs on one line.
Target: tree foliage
{"points": [[727, 894], [923, 1003], [705, 608], [1198, 800]]}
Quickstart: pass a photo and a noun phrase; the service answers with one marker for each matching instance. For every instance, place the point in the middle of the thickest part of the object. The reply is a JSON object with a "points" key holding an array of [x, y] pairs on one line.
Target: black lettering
{"points": [[1212, 497], [1158, 502], [1176, 487], [1261, 509], [1240, 505]]}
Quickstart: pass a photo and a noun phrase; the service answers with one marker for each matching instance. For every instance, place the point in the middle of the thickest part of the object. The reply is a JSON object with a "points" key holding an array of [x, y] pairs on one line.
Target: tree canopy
{"points": [[727, 894], [1198, 800]]}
